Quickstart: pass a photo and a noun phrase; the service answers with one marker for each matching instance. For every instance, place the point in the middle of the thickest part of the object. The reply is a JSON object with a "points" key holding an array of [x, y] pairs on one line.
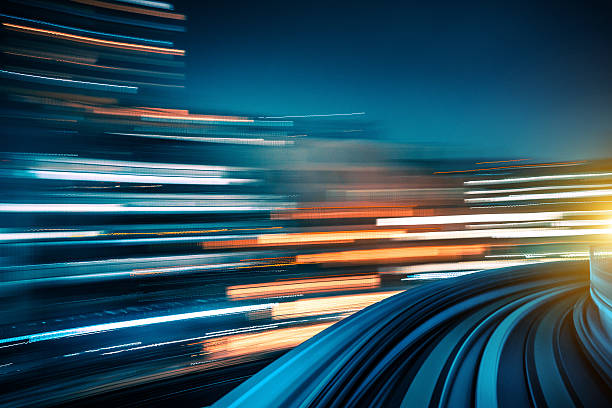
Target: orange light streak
{"points": [[131, 9], [261, 342], [501, 161], [391, 254], [327, 305], [514, 167], [302, 286], [94, 41], [324, 213]]}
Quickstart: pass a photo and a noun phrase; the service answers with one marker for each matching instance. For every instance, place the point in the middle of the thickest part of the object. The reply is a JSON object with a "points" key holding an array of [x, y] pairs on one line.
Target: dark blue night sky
{"points": [[468, 78]]}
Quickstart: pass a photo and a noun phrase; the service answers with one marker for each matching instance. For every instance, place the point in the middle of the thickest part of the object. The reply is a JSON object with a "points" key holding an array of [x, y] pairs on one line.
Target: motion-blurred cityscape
{"points": [[154, 253]]}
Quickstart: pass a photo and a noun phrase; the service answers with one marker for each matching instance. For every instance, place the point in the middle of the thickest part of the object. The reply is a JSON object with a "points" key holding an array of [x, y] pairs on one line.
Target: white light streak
{"points": [[542, 196], [525, 189], [225, 140], [103, 348], [70, 82], [118, 208], [97, 328], [460, 266], [20, 236], [312, 116], [467, 218], [129, 178], [503, 233], [536, 178], [438, 275]]}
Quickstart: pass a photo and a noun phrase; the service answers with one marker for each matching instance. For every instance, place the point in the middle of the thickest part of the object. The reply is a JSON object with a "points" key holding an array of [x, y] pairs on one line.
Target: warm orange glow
{"points": [[261, 342], [94, 41], [326, 213], [301, 286], [171, 114], [327, 305], [391, 254], [326, 237], [131, 9]]}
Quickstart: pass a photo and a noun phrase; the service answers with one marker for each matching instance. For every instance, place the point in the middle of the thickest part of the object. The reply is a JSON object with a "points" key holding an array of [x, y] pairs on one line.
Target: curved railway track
{"points": [[523, 336]]}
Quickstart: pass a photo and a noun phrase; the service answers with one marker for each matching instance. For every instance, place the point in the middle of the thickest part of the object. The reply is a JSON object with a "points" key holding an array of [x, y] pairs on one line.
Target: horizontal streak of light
{"points": [[149, 3], [537, 178], [501, 161], [194, 118], [313, 116], [564, 223], [68, 61], [94, 41], [459, 266], [97, 328], [70, 82], [327, 305], [121, 163], [525, 189], [324, 213], [504, 233], [262, 342], [128, 178], [93, 15], [300, 286], [546, 255], [127, 37], [439, 275], [103, 348], [130, 9], [203, 139], [542, 196], [116, 208], [390, 254], [466, 218], [515, 167], [188, 268], [19, 236], [581, 202], [111, 275], [218, 333], [323, 237]]}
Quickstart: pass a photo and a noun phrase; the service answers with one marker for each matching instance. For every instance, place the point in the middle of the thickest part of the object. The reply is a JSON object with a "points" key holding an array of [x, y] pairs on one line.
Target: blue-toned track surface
{"points": [[525, 336]]}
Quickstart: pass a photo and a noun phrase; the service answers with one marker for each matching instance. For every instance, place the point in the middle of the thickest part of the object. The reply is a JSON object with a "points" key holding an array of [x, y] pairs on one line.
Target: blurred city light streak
{"points": [[391, 254], [327, 305], [92, 40], [524, 189], [301, 286], [127, 37], [559, 164], [68, 82], [543, 196], [255, 343], [462, 266], [129, 9], [98, 328], [159, 231], [467, 218], [537, 178]]}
